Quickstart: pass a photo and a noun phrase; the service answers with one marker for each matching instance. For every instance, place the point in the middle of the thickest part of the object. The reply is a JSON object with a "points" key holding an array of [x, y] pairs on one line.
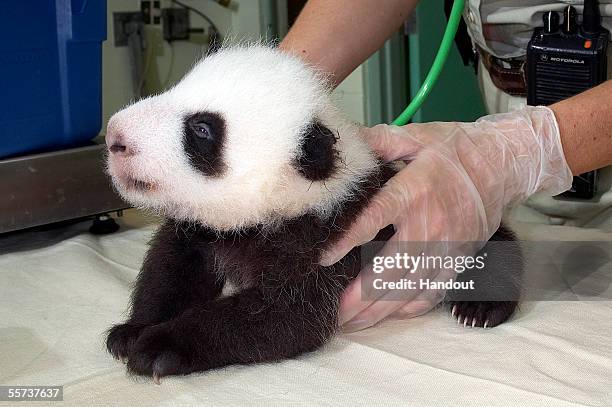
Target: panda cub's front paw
{"points": [[158, 353], [121, 339]]}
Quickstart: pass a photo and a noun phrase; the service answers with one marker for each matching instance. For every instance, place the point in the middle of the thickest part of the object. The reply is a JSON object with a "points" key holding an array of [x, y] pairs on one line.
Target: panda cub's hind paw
{"points": [[482, 314]]}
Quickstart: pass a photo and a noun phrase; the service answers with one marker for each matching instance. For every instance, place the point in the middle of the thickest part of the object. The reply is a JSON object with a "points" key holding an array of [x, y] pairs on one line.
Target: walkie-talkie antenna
{"points": [[591, 17]]}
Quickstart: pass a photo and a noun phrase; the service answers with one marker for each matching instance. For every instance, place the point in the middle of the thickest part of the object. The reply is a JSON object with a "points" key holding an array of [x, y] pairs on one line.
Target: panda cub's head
{"points": [[249, 137]]}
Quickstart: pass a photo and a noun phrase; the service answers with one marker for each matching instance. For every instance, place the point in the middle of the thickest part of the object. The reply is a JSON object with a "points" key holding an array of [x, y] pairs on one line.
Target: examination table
{"points": [[60, 290]]}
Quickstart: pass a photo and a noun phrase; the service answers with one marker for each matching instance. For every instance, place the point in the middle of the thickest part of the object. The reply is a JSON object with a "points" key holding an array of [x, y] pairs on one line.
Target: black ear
{"points": [[317, 157]]}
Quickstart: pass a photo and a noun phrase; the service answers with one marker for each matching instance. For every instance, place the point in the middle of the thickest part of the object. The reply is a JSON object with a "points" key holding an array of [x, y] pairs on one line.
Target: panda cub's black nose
{"points": [[117, 148]]}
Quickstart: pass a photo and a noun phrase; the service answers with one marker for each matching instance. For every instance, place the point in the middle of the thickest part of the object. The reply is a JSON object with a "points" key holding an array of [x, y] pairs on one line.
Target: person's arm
{"points": [[585, 125], [337, 36]]}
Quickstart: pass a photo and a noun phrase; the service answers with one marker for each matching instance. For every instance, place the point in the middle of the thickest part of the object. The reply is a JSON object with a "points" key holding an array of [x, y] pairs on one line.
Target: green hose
{"points": [[436, 67]]}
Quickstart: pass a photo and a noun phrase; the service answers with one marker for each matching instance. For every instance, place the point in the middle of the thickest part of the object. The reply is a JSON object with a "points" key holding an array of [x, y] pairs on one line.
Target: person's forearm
{"points": [[585, 124], [338, 35]]}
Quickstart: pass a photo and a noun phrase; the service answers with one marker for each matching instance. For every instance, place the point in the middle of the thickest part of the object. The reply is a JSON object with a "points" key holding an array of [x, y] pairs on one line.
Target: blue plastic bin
{"points": [[50, 73]]}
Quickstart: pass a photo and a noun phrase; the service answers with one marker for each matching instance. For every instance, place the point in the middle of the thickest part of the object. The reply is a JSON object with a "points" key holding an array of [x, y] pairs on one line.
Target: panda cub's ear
{"points": [[317, 158]]}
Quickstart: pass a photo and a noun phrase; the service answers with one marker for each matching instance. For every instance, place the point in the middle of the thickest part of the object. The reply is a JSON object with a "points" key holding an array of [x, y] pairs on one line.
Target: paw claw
{"points": [[486, 323], [453, 311], [156, 379]]}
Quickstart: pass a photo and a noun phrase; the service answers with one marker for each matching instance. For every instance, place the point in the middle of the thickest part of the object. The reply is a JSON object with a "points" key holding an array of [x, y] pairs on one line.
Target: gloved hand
{"points": [[459, 179]]}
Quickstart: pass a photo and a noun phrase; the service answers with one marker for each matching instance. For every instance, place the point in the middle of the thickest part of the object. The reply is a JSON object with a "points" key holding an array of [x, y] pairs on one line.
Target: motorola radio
{"points": [[564, 59]]}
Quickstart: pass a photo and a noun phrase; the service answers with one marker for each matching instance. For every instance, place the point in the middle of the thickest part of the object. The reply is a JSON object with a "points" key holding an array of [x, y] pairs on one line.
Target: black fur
{"points": [[205, 152], [317, 158], [498, 287], [288, 304]]}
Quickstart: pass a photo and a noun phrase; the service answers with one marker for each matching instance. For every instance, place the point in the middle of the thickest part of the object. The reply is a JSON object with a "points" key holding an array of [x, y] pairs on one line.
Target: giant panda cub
{"points": [[256, 173]]}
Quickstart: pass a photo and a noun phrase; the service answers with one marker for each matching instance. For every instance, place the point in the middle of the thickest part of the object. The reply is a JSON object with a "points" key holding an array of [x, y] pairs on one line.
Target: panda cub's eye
{"points": [[203, 139], [202, 130]]}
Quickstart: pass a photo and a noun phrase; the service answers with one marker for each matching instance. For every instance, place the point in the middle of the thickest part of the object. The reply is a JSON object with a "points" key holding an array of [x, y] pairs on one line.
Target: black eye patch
{"points": [[203, 138], [317, 158]]}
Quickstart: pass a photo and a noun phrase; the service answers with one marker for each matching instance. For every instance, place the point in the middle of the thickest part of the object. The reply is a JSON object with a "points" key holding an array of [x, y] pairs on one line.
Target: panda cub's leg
{"points": [[252, 326], [173, 277], [497, 286]]}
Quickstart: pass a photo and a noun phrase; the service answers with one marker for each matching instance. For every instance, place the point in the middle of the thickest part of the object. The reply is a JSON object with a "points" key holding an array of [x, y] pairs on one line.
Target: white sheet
{"points": [[57, 301]]}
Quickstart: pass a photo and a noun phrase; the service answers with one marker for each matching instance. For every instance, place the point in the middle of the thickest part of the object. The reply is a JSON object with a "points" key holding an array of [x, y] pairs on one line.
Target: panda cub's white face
{"points": [[248, 137]]}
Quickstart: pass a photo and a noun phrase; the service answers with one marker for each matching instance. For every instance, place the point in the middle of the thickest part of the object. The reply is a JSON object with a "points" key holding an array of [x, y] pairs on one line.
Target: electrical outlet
{"points": [[175, 24], [121, 28]]}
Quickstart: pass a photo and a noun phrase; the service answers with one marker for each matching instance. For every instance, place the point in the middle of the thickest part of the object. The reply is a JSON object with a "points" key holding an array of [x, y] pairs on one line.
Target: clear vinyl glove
{"points": [[458, 180]]}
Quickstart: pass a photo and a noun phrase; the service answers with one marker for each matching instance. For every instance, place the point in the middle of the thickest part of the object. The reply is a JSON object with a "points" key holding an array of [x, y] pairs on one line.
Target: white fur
{"points": [[267, 98]]}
